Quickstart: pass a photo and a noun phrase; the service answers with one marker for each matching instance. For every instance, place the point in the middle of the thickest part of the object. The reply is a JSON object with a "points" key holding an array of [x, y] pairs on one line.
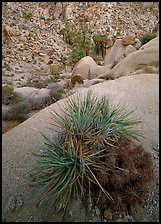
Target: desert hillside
{"points": [[31, 39]]}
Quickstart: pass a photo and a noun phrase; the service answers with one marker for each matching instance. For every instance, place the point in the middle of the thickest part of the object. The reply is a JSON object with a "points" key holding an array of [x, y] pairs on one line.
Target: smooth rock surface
{"points": [[138, 92], [147, 55], [88, 68]]}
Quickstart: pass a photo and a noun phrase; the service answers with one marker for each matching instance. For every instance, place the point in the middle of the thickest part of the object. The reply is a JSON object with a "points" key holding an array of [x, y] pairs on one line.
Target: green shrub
{"points": [[76, 55], [56, 93], [87, 45], [9, 96], [101, 41], [146, 38], [80, 38], [19, 111], [50, 62], [27, 15], [67, 167], [42, 17]]}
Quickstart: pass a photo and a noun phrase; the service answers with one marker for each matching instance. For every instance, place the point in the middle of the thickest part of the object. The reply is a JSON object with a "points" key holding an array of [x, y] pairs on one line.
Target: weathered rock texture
{"points": [[88, 68], [144, 60], [137, 92]]}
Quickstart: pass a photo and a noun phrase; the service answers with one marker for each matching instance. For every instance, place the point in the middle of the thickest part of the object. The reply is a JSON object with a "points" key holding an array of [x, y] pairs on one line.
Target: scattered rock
{"points": [[36, 96], [63, 83], [68, 12], [147, 55], [58, 10]]}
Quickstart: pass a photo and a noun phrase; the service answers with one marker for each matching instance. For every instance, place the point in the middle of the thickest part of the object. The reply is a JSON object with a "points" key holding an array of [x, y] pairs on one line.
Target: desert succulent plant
{"points": [[71, 162]]}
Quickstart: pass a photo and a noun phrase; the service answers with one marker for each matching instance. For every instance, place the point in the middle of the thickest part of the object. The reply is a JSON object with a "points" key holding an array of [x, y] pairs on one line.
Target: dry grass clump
{"points": [[76, 78], [127, 173]]}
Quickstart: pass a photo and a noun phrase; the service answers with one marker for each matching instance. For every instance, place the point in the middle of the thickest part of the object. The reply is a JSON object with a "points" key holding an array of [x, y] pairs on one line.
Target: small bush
{"points": [[76, 55], [146, 38], [56, 93], [19, 111], [27, 15], [9, 96]]}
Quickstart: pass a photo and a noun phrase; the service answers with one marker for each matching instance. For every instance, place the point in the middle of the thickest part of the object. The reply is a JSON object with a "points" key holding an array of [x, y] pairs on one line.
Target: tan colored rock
{"points": [[8, 33], [68, 12], [42, 23], [147, 55], [58, 10], [50, 52], [88, 68], [138, 33], [129, 39], [129, 49], [137, 44], [91, 82], [19, 144], [46, 13], [115, 54]]}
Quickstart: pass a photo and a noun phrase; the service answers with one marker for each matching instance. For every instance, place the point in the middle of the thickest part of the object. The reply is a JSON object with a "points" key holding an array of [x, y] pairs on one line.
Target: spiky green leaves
{"points": [[88, 126], [92, 119]]}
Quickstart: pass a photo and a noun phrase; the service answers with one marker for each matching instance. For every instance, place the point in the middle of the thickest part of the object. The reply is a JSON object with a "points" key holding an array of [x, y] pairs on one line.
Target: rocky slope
{"points": [[30, 32]]}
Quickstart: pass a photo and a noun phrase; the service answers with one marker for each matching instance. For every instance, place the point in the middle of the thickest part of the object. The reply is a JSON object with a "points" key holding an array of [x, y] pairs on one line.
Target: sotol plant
{"points": [[72, 162]]}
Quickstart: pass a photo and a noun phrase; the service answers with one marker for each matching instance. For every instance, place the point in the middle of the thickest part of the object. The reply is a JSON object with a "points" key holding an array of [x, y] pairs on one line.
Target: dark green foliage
{"points": [[87, 45], [147, 37], [76, 55], [80, 38], [50, 62], [69, 164], [9, 96], [27, 15]]}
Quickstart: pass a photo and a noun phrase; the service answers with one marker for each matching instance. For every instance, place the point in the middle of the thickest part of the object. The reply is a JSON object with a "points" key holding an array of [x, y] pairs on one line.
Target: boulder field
{"points": [[121, 61]]}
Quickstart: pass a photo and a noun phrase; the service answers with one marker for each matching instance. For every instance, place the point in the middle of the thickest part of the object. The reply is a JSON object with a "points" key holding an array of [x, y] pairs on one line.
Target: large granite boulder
{"points": [[129, 49], [116, 53], [88, 68], [138, 61], [34, 95], [138, 93]]}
